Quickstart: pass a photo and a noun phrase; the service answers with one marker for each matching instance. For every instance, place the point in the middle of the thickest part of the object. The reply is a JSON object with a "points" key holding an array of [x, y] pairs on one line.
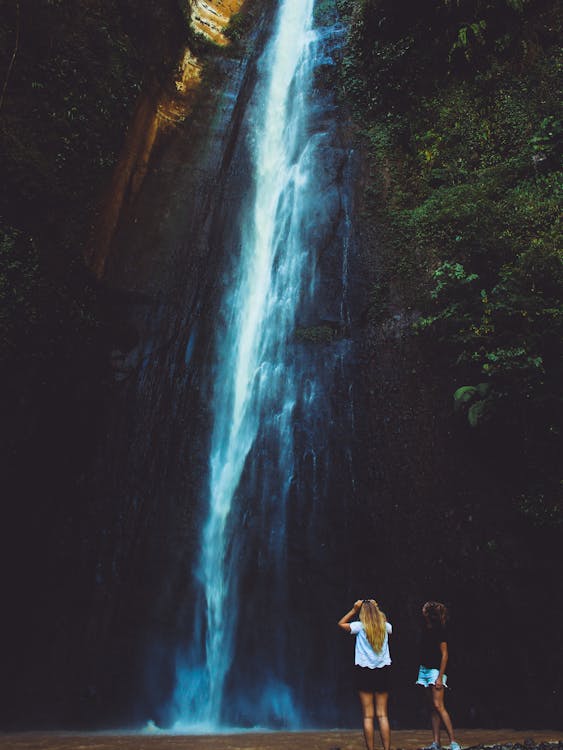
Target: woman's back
{"points": [[365, 655]]}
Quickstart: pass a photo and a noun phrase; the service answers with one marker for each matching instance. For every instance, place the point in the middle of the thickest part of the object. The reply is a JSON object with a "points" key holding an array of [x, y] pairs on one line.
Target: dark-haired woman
{"points": [[432, 672], [372, 666]]}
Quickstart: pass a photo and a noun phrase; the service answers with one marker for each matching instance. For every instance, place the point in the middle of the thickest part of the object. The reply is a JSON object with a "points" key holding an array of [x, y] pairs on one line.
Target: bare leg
{"points": [[440, 709], [368, 711], [382, 718], [434, 716], [436, 725]]}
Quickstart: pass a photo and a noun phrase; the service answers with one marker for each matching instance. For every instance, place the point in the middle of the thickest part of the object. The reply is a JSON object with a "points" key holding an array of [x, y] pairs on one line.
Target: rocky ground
{"points": [[473, 739]]}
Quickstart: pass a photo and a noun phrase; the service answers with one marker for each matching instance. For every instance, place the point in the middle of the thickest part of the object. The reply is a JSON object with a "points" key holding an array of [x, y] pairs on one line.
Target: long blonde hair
{"points": [[374, 622]]}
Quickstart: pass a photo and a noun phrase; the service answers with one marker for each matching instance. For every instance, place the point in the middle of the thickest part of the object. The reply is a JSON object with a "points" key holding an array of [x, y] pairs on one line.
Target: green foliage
{"points": [[76, 76], [478, 412], [468, 392], [507, 319], [467, 37], [474, 400], [72, 71], [238, 31], [547, 140], [450, 274], [77, 71], [19, 287], [458, 102], [400, 49], [238, 27], [323, 10], [542, 510], [455, 310]]}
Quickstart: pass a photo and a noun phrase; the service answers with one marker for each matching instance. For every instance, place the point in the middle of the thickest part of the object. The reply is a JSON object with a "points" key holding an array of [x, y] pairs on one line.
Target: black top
{"points": [[430, 654]]}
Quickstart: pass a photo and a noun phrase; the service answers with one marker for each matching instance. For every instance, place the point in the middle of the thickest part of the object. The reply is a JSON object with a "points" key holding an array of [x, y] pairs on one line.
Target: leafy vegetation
{"points": [[239, 26], [458, 101], [71, 72]]}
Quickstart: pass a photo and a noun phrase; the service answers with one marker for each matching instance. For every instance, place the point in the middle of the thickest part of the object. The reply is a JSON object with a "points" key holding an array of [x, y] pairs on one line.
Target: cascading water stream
{"points": [[254, 392]]}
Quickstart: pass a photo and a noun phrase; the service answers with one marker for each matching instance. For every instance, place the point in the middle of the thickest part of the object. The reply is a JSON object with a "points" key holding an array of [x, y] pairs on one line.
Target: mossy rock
{"points": [[320, 334]]}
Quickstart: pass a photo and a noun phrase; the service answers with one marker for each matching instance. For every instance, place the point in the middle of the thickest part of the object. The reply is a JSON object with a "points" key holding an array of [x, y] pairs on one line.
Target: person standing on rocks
{"points": [[432, 672], [372, 670]]}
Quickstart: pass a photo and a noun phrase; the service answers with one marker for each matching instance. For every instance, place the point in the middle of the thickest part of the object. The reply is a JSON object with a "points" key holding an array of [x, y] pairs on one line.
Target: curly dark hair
{"points": [[437, 613]]}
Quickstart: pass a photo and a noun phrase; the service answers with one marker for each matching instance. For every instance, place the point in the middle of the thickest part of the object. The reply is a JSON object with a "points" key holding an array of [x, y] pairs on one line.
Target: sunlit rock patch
{"points": [[177, 106], [157, 111], [211, 18]]}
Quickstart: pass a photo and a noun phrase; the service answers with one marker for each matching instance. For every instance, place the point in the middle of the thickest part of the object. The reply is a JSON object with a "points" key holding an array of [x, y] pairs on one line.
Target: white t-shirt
{"points": [[365, 655]]}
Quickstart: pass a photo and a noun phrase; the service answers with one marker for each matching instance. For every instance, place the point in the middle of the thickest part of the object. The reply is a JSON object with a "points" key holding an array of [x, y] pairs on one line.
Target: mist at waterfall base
{"points": [[273, 451]]}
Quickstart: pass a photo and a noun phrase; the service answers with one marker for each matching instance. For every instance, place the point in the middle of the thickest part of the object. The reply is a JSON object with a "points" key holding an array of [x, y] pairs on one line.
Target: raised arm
{"points": [[344, 622]]}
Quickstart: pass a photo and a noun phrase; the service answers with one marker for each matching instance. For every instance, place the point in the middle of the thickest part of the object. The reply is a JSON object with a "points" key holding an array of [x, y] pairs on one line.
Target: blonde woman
{"points": [[432, 671], [372, 666]]}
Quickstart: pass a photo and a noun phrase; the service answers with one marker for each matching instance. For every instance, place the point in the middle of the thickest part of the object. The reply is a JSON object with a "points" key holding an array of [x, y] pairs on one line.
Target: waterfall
{"points": [[268, 443]]}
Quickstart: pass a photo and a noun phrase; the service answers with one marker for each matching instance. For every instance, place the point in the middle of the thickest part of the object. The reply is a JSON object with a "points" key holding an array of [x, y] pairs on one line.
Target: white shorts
{"points": [[428, 677]]}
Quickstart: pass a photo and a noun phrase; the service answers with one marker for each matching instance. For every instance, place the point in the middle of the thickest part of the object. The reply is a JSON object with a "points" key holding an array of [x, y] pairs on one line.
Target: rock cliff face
{"points": [[167, 247], [158, 109], [211, 18], [167, 267]]}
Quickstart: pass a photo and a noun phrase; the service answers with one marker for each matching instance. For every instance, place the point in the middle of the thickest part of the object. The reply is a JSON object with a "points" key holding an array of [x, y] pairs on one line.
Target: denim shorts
{"points": [[428, 677]]}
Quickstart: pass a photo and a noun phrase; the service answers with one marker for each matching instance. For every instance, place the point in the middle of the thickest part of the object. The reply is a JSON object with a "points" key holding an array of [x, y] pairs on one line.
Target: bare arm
{"points": [[344, 622], [443, 663]]}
